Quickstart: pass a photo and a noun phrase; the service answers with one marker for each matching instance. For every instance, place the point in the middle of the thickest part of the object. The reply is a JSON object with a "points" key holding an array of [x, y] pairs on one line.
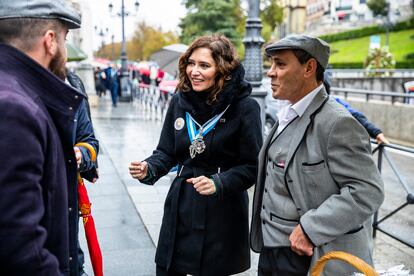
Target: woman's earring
{"points": [[228, 77]]}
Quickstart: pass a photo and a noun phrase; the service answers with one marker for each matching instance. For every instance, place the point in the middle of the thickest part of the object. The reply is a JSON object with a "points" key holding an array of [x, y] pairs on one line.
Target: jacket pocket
{"points": [[313, 166], [355, 230], [277, 168], [275, 218]]}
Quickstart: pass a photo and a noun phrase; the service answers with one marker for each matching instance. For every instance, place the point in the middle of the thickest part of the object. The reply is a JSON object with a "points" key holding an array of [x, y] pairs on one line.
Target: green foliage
{"points": [[360, 65], [367, 31], [404, 64], [352, 53], [228, 18], [378, 7], [379, 58], [267, 32], [348, 65], [212, 16], [146, 40], [271, 16], [110, 51]]}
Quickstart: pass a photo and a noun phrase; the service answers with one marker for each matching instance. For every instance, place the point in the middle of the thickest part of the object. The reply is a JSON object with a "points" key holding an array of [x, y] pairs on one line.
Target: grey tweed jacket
{"points": [[333, 181]]}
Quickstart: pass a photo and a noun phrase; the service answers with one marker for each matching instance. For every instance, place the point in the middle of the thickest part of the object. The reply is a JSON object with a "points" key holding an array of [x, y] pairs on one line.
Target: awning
{"points": [[341, 14], [168, 56], [75, 53]]}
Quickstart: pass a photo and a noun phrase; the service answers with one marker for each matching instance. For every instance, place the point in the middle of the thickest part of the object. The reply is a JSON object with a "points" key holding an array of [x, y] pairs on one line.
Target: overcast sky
{"points": [[157, 13]]}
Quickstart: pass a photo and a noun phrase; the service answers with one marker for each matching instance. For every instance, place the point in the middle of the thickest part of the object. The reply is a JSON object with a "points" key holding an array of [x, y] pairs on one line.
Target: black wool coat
{"points": [[37, 112], [208, 235]]}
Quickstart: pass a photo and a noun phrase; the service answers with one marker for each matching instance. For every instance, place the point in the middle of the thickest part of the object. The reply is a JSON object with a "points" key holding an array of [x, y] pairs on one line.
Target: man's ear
{"points": [[310, 68], [50, 42]]}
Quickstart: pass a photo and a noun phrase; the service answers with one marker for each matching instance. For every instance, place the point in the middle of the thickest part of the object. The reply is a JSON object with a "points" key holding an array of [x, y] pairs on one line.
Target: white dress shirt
{"points": [[289, 112]]}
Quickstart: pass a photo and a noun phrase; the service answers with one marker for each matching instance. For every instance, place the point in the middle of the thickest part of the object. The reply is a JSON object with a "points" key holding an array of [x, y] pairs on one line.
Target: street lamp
{"points": [[112, 47], [388, 22], [125, 89], [102, 33], [253, 42]]}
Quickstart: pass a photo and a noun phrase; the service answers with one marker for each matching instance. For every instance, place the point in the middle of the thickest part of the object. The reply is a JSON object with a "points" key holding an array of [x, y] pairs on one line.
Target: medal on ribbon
{"points": [[197, 145]]}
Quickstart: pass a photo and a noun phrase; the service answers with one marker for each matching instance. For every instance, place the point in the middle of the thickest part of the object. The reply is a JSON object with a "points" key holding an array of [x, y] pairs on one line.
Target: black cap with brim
{"points": [[316, 47], [46, 9]]}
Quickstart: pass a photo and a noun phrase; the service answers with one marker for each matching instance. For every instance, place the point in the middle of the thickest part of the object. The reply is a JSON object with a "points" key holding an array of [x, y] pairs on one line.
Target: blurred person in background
{"points": [[373, 131], [100, 76], [87, 168]]}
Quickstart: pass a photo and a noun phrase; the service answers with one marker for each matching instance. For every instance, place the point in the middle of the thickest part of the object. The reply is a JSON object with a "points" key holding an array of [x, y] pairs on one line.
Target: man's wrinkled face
{"points": [[286, 76], [58, 62]]}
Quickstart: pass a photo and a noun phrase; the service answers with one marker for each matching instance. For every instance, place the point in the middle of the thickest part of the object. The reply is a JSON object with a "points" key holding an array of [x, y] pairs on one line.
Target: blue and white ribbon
{"points": [[194, 133]]}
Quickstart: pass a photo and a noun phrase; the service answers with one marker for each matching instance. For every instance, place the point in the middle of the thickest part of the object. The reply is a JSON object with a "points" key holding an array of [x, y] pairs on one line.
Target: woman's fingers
{"points": [[138, 170], [203, 185]]}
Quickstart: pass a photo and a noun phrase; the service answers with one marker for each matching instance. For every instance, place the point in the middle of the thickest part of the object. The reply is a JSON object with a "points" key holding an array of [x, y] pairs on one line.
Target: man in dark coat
{"points": [[37, 111], [83, 132]]}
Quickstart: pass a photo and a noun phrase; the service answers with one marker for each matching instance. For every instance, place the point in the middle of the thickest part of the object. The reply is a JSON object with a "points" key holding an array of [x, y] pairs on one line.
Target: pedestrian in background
{"points": [[83, 133], [373, 131], [317, 185], [160, 76], [153, 75], [111, 83], [99, 77], [37, 111], [213, 131]]}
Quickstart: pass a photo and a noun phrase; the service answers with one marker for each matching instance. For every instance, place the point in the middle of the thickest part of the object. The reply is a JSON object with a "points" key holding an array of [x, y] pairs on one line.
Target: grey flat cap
{"points": [[316, 47], [47, 9]]}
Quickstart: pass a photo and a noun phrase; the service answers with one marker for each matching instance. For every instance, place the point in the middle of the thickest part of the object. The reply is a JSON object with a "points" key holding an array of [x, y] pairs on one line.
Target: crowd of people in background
{"points": [[109, 79]]}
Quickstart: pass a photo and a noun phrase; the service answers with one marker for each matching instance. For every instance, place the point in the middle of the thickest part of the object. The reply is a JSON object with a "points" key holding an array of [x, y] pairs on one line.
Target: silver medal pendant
{"points": [[197, 146]]}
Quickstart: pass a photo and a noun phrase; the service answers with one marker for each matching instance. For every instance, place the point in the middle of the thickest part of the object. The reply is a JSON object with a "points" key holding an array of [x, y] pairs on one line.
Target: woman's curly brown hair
{"points": [[224, 55]]}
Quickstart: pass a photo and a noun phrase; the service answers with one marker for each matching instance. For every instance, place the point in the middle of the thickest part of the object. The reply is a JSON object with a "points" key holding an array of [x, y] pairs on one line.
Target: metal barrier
{"points": [[382, 152], [407, 98], [151, 98], [363, 72]]}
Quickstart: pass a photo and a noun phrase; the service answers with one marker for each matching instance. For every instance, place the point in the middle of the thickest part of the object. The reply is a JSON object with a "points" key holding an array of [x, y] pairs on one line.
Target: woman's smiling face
{"points": [[201, 69]]}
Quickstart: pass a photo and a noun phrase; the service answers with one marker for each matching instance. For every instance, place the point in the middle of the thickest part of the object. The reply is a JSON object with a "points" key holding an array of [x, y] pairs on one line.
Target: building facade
{"points": [[82, 39], [294, 21], [330, 16]]}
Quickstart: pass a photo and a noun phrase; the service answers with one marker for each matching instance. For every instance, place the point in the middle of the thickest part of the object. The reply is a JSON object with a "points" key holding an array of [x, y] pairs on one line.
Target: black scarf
{"points": [[234, 89]]}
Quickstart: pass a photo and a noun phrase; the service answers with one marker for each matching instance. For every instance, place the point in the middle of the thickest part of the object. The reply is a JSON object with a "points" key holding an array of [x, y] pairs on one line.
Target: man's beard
{"points": [[57, 65]]}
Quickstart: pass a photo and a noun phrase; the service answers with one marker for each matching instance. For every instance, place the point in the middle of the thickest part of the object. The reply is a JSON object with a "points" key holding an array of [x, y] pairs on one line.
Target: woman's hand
{"points": [[203, 185], [138, 170]]}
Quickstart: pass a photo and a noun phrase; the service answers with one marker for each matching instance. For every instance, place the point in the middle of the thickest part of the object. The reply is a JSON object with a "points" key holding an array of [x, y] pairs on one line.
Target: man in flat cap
{"points": [[37, 112], [317, 185]]}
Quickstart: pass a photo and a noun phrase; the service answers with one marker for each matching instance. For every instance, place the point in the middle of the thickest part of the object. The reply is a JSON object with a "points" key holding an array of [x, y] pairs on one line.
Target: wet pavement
{"points": [[128, 214]]}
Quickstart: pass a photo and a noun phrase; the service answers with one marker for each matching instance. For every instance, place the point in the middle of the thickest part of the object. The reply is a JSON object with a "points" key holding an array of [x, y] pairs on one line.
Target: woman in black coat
{"points": [[205, 224]]}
